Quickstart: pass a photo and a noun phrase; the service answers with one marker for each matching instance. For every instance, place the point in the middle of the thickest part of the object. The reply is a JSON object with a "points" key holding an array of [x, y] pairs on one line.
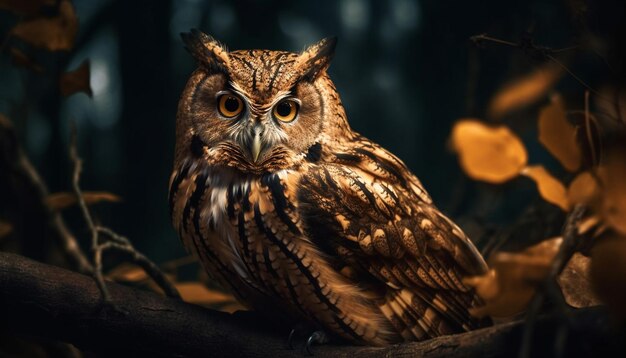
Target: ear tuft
{"points": [[209, 53], [316, 58]]}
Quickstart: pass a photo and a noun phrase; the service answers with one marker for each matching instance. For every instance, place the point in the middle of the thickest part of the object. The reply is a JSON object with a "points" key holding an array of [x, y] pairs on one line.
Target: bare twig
{"points": [[592, 147], [122, 244], [21, 167], [535, 51], [571, 241], [116, 242]]}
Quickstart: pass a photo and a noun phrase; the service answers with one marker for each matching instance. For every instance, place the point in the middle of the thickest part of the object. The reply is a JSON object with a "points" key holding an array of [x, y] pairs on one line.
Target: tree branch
{"points": [[47, 301]]}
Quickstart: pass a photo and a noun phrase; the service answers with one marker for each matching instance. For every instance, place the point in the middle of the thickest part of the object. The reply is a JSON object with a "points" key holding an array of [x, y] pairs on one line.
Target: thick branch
{"points": [[42, 300]]}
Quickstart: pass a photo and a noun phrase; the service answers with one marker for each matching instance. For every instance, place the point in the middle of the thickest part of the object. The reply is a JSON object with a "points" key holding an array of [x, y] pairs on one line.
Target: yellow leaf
{"points": [[491, 154], [550, 188], [558, 135], [52, 33], [583, 189], [64, 200], [524, 91], [76, 81], [512, 281]]}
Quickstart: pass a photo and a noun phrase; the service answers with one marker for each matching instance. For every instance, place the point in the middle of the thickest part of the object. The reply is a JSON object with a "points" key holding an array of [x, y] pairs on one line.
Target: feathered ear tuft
{"points": [[209, 53], [316, 59]]}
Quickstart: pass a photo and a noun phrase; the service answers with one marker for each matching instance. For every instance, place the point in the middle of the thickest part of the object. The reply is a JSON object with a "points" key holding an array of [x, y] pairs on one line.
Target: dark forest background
{"points": [[406, 71]]}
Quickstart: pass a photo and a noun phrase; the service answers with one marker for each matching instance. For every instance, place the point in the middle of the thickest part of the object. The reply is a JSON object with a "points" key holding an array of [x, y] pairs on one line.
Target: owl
{"points": [[302, 218]]}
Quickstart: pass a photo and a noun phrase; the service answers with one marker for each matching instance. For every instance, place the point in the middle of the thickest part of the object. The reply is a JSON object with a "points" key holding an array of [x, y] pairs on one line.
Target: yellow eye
{"points": [[286, 111], [229, 105]]}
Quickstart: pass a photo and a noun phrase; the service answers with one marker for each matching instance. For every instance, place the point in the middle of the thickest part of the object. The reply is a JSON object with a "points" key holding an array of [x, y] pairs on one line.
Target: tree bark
{"points": [[46, 301]]}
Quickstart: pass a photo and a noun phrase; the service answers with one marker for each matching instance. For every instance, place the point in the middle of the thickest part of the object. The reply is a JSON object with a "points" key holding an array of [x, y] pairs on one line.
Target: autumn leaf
{"points": [[524, 91], [198, 293], [126, 272], [513, 279], [76, 81], [51, 33], [64, 200], [583, 189], [558, 135], [491, 154], [550, 188]]}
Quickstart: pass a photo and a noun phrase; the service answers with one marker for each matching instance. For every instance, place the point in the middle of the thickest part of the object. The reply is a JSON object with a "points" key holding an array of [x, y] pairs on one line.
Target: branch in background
{"points": [[536, 52], [571, 244], [116, 242], [18, 166], [46, 301]]}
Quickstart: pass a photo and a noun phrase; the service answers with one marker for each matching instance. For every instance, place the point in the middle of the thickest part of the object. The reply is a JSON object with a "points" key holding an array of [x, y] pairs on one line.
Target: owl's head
{"points": [[258, 111]]}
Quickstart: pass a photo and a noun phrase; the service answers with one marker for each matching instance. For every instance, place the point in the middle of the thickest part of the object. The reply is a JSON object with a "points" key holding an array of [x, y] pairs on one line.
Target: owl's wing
{"points": [[369, 212]]}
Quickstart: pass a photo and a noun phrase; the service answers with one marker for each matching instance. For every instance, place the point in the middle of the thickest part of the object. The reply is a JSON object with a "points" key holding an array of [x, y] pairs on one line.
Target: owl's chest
{"points": [[235, 223]]}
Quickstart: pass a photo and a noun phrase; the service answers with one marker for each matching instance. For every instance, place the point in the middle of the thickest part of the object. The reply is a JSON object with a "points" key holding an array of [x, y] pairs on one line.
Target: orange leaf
{"points": [[558, 135], [524, 91], [76, 81], [550, 188], [491, 154], [51, 33], [64, 200], [514, 276], [198, 293], [583, 189], [128, 273]]}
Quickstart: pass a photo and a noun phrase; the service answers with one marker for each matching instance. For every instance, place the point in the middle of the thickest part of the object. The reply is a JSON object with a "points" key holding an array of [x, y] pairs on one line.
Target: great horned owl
{"points": [[302, 217]]}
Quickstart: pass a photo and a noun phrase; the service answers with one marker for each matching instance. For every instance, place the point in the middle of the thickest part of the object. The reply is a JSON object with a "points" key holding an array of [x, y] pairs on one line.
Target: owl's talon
{"points": [[290, 338], [318, 337]]}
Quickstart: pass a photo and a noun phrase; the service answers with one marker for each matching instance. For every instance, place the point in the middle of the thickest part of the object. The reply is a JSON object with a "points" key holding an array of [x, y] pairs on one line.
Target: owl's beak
{"points": [[256, 146]]}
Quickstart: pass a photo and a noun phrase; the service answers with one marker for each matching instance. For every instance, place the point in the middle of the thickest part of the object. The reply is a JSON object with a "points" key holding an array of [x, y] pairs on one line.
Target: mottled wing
{"points": [[368, 210]]}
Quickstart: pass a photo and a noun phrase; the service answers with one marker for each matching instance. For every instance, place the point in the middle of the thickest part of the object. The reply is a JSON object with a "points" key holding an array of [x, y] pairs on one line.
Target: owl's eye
{"points": [[286, 111], [229, 105]]}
